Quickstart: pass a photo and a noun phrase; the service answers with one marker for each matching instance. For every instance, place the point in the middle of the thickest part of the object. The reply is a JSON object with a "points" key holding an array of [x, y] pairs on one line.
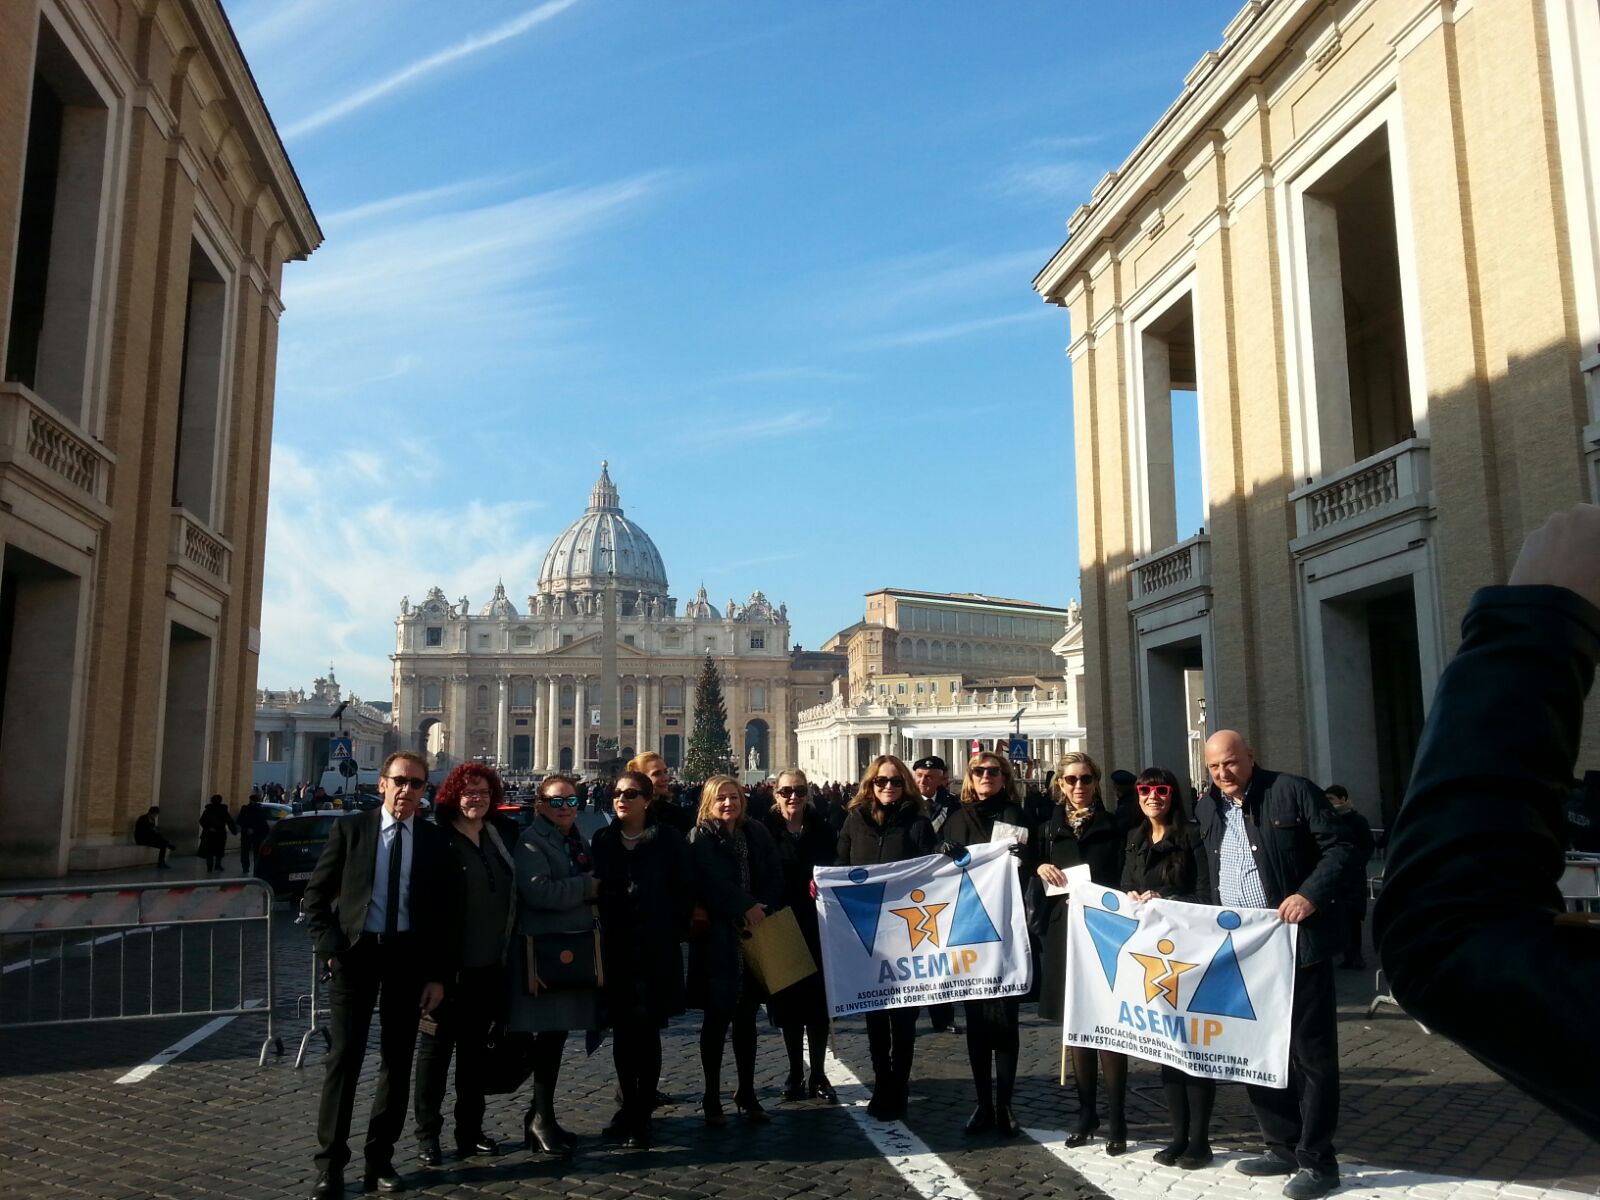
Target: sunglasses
{"points": [[788, 792], [984, 772], [483, 795], [406, 781], [1160, 791], [1077, 780], [887, 781], [626, 794], [561, 801]]}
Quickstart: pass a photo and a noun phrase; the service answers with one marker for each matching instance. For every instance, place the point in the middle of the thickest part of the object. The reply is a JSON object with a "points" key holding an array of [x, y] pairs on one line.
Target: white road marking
{"points": [[162, 1058], [104, 937], [1137, 1176], [930, 1175]]}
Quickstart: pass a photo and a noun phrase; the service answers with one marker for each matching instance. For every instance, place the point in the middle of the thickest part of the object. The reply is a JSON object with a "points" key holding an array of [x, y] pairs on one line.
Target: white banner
{"points": [[924, 931], [1208, 990]]}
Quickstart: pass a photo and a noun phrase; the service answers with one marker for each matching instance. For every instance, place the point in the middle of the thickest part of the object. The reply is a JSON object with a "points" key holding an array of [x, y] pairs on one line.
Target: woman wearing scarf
{"points": [[464, 807], [556, 888], [988, 796], [1164, 861], [804, 842], [1081, 831], [737, 881], [887, 822], [646, 896]]}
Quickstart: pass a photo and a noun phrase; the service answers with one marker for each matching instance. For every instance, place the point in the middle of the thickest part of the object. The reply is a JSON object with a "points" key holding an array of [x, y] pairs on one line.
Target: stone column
{"points": [[644, 713], [580, 720], [536, 728], [501, 715], [552, 741]]}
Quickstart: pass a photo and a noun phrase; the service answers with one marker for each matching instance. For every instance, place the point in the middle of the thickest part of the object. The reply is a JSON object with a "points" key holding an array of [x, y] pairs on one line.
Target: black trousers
{"points": [[390, 976], [247, 847], [891, 1041], [475, 1002], [942, 1015], [1299, 1121], [636, 1053]]}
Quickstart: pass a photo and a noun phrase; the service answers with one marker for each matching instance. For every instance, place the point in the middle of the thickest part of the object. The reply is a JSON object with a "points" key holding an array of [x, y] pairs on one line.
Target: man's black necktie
{"points": [[391, 913]]}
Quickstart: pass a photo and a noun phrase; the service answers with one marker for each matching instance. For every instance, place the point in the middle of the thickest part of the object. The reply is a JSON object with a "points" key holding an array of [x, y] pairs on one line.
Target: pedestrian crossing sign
{"points": [[341, 747]]}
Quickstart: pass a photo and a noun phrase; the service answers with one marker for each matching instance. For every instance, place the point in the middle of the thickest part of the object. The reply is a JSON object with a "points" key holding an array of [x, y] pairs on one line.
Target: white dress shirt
{"points": [[378, 910]]}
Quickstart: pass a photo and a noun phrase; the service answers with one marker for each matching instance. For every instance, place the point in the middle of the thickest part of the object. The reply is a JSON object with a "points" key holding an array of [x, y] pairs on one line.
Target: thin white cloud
{"points": [[790, 374], [759, 560], [483, 285], [424, 67], [956, 329], [406, 200], [760, 429], [1059, 181], [342, 551]]}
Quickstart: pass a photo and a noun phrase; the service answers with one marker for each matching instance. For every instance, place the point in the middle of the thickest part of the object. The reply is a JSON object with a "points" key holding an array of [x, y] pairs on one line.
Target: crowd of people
{"points": [[507, 939]]}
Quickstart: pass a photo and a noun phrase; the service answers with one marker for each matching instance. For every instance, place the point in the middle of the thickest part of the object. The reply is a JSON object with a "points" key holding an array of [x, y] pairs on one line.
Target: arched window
{"points": [[566, 700], [522, 695], [627, 699], [483, 695], [674, 695], [904, 647], [758, 699]]}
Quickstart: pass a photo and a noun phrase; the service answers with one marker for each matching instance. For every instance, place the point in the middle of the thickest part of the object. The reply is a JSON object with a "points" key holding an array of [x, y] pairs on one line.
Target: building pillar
{"points": [[645, 716], [552, 741], [502, 719], [536, 726]]}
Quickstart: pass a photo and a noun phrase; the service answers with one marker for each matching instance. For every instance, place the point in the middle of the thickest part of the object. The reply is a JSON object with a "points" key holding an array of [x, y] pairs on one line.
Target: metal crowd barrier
{"points": [[312, 1001], [124, 952]]}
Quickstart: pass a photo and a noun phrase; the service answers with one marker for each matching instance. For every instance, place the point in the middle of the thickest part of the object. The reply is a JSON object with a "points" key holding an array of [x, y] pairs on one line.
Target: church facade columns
{"points": [[552, 724]]}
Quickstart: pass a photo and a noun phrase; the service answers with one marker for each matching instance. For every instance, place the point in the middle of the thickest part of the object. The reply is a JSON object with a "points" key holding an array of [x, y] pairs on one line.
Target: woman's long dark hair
{"points": [[1177, 823]]}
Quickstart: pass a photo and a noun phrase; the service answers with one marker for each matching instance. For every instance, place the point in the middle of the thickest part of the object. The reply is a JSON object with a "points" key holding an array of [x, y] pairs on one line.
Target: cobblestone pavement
{"points": [[1419, 1119]]}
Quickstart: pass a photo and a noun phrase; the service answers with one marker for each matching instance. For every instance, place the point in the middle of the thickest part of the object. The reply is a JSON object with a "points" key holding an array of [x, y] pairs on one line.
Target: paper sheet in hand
{"points": [[1003, 832], [1077, 876]]}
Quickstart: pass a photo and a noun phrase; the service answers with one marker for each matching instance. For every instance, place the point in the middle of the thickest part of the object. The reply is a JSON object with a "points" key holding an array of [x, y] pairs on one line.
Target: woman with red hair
{"points": [[466, 807]]}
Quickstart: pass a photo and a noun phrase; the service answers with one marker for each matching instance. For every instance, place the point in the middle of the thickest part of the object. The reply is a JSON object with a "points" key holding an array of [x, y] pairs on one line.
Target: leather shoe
{"points": [[428, 1152], [620, 1126], [821, 1089], [794, 1089], [382, 1181], [1168, 1156], [1195, 1157], [1310, 1185], [1116, 1146], [1005, 1121], [329, 1183], [1266, 1164], [482, 1144], [982, 1119], [1082, 1135], [639, 1136]]}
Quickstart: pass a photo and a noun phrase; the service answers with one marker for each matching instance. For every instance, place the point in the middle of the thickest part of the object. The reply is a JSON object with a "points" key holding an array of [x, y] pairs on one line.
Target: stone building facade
{"points": [[532, 689], [147, 208], [293, 729], [1361, 248]]}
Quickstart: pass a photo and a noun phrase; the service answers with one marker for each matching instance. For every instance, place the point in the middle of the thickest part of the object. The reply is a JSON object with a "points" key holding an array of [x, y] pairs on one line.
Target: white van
{"points": [[335, 784]]}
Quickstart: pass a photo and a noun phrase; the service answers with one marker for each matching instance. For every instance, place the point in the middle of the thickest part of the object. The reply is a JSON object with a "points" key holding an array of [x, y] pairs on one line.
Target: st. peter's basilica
{"points": [[529, 689]]}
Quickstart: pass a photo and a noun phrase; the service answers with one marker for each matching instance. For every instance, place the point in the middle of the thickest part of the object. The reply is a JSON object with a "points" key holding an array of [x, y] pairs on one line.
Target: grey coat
{"points": [[551, 898]]}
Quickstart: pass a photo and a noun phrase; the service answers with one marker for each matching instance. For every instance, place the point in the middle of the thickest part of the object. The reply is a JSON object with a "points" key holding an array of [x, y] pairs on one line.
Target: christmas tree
{"points": [[710, 753]]}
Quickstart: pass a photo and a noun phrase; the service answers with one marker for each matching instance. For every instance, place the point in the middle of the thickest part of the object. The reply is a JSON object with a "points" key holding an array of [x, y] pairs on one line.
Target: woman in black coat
{"points": [[737, 880], [646, 896], [887, 822], [989, 795], [1165, 860], [1081, 831], [803, 841]]}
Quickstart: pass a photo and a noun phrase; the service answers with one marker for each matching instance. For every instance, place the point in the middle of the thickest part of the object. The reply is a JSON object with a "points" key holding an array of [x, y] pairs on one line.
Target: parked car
{"points": [[289, 851]]}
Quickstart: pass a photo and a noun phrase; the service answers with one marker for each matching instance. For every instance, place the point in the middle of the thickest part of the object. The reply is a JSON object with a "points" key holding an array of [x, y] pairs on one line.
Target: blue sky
{"points": [[770, 260]]}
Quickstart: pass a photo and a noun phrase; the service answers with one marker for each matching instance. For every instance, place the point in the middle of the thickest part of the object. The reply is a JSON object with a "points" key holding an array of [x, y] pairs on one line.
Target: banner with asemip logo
{"points": [[924, 931], [1207, 990]]}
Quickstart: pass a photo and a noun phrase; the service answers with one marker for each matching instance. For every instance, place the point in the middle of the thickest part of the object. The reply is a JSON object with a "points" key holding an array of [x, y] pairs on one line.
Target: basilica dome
{"points": [[581, 558]]}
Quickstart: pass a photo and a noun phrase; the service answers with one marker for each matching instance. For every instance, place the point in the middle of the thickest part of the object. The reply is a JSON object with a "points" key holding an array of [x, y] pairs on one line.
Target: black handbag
{"points": [[563, 962]]}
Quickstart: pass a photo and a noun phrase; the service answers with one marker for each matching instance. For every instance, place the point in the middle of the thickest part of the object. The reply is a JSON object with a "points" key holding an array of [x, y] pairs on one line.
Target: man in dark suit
{"points": [[378, 906], [1272, 841]]}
